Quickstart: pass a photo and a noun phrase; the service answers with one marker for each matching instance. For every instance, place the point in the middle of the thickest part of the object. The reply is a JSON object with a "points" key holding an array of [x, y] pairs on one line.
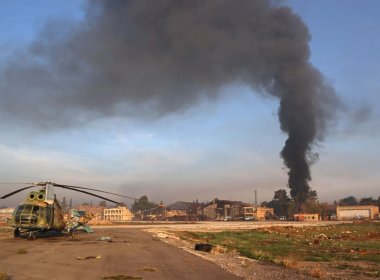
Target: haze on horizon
{"points": [[223, 147]]}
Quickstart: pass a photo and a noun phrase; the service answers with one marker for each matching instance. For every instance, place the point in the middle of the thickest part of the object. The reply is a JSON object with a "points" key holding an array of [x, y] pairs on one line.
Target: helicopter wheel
{"points": [[71, 232], [16, 232], [32, 235]]}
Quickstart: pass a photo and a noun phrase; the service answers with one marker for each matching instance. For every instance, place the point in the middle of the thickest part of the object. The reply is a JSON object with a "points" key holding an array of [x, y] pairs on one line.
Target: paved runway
{"points": [[132, 253]]}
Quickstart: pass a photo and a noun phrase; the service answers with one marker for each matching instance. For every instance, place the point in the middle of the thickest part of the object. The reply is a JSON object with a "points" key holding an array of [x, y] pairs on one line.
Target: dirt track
{"points": [[132, 252]]}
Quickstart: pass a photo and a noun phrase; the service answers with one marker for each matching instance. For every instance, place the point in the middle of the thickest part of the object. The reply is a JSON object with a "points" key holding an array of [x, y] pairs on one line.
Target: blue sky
{"points": [[223, 148]]}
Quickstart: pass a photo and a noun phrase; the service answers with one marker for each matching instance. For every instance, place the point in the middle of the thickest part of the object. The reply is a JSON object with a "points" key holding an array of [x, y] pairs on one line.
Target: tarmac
{"points": [[131, 254]]}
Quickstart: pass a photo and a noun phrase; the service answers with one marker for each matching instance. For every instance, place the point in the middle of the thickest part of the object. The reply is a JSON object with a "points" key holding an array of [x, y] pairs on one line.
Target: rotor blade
{"points": [[16, 191], [83, 188], [73, 189]]}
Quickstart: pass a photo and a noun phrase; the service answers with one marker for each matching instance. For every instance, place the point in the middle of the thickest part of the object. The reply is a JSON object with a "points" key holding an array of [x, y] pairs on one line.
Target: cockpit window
{"points": [[32, 215]]}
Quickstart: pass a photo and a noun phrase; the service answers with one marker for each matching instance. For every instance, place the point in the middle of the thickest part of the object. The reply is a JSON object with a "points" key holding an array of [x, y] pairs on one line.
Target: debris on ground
{"points": [[203, 247], [22, 251], [122, 277], [149, 268], [88, 257], [105, 238]]}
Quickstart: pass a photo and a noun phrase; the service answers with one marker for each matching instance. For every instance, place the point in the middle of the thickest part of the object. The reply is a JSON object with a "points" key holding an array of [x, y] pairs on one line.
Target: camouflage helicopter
{"points": [[41, 211]]}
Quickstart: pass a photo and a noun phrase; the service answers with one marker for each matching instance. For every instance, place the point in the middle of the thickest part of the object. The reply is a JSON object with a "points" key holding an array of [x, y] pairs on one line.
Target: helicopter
{"points": [[41, 211]]}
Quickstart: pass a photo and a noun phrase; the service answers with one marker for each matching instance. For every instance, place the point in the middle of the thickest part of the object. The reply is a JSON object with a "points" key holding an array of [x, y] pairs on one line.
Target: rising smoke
{"points": [[139, 58]]}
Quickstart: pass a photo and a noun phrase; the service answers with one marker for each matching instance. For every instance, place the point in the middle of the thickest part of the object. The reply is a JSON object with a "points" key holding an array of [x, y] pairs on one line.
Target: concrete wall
{"points": [[357, 212]]}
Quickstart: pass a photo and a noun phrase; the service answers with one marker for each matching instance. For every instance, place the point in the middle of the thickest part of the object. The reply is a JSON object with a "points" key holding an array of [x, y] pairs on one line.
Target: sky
{"points": [[223, 147]]}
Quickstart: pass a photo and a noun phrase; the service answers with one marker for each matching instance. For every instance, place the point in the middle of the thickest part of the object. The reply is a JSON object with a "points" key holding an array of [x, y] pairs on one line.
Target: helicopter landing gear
{"points": [[16, 233], [71, 233], [32, 235]]}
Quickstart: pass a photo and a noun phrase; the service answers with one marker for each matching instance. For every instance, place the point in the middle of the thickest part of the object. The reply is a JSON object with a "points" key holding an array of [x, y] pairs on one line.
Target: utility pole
{"points": [[256, 198]]}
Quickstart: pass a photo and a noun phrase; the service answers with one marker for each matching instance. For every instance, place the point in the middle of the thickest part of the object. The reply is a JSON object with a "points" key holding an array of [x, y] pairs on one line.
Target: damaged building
{"points": [[224, 209]]}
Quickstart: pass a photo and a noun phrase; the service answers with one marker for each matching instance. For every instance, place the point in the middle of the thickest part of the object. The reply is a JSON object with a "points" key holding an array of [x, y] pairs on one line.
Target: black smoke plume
{"points": [[151, 58]]}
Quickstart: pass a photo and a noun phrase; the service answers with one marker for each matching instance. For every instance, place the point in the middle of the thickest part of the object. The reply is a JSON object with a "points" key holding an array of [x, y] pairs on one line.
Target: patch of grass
{"points": [[122, 277], [22, 251], [335, 243]]}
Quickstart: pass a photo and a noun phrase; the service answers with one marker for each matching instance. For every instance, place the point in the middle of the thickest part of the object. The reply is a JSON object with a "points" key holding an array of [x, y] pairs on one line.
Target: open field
{"points": [[340, 251]]}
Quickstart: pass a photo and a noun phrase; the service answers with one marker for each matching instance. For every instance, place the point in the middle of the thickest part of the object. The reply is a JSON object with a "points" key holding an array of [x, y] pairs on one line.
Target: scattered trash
{"points": [[105, 238], [203, 247], [21, 252], [122, 277], [149, 268], [322, 236], [88, 257]]}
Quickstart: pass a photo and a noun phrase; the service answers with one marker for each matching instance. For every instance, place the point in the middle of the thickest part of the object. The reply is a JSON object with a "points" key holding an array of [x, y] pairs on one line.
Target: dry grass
{"points": [[218, 250], [290, 263]]}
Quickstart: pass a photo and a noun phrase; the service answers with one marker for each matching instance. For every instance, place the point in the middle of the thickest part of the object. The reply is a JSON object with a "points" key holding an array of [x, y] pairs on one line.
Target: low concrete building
{"points": [[180, 210], [306, 217], [222, 209], [96, 211], [264, 213], [357, 212], [118, 214], [258, 213]]}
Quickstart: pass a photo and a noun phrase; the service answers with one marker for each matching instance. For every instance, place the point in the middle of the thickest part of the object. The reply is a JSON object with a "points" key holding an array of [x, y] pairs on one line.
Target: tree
{"points": [[368, 201], [143, 204], [103, 203], [281, 195], [311, 204], [348, 201], [280, 203], [312, 195]]}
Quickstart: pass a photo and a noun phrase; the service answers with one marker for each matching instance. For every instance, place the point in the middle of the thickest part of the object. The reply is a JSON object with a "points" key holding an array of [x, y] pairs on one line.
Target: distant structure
{"points": [[258, 213], [118, 214], [6, 213], [357, 212], [180, 210], [223, 209], [96, 211], [306, 217]]}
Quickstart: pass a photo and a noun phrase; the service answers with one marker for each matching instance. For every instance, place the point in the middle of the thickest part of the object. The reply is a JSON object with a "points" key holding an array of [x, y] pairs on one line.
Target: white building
{"points": [[357, 212], [118, 214]]}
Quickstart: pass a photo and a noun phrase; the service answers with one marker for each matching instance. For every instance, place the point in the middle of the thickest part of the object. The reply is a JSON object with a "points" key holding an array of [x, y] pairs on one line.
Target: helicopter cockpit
{"points": [[28, 215]]}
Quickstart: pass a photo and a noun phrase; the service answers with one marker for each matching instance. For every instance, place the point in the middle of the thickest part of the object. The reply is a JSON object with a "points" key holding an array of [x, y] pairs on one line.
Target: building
{"points": [[357, 212], [306, 217], [184, 211], [264, 213], [96, 211], [119, 214], [224, 209], [257, 213], [6, 213]]}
